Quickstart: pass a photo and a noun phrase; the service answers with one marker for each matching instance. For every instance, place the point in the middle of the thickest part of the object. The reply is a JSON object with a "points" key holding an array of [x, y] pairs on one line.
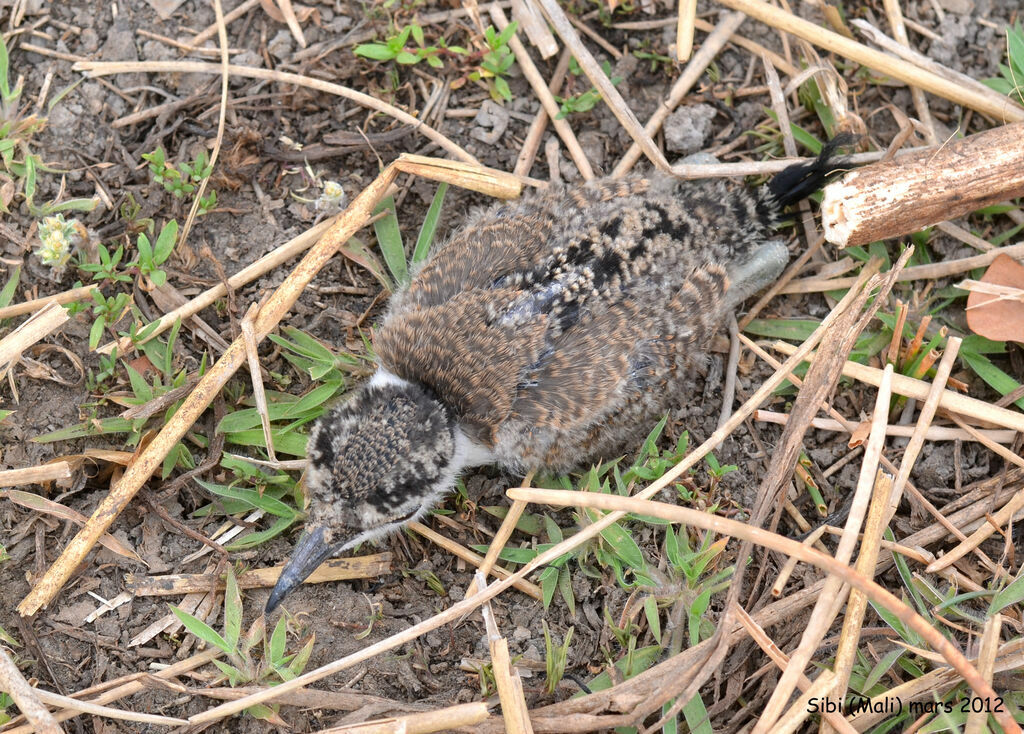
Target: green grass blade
{"points": [[262, 502], [995, 377], [389, 237], [202, 630], [7, 294], [429, 228]]}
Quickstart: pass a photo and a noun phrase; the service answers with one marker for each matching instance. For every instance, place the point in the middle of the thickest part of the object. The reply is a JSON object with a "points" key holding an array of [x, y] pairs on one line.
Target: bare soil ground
{"points": [[92, 145]]}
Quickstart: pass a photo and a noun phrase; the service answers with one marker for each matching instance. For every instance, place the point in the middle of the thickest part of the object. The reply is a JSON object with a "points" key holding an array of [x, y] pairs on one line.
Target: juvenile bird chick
{"points": [[549, 332]]}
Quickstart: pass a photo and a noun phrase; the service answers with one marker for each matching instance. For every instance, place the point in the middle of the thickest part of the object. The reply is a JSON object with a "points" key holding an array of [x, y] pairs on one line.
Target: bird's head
{"points": [[376, 461]]}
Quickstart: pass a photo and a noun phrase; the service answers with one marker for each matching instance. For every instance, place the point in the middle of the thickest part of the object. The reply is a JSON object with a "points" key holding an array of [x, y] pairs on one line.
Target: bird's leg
{"points": [[749, 275]]}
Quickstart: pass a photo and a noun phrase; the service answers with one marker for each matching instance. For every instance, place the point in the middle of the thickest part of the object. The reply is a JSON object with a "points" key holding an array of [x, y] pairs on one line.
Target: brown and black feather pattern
{"points": [[558, 326], [550, 332]]}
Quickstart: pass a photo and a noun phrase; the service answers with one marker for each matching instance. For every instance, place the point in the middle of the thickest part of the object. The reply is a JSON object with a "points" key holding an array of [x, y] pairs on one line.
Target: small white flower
{"points": [[332, 198], [57, 240]]}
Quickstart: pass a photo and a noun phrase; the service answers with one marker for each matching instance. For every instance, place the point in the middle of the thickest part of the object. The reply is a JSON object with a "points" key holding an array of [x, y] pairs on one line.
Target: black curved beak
{"points": [[310, 552]]}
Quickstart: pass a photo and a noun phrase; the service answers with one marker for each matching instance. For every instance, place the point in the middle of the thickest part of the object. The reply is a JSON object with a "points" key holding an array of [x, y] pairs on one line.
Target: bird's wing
{"points": [[512, 241], [466, 353]]}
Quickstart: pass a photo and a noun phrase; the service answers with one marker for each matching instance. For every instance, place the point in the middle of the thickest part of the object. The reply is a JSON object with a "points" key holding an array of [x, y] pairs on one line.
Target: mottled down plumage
{"points": [[549, 332]]}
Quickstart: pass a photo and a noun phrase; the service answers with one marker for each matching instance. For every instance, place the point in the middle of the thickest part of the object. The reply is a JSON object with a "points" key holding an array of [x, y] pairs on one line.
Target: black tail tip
{"points": [[800, 180]]}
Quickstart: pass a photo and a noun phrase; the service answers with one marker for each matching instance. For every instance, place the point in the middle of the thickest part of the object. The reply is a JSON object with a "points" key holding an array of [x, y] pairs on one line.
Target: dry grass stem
{"points": [[40, 504], [205, 35], [286, 9], [52, 472], [1000, 292], [899, 30], [822, 689], [968, 238], [616, 104], [208, 388], [821, 619], [935, 682], [101, 68], [454, 717], [527, 587], [524, 163], [472, 176], [70, 296], [915, 272], [981, 438], [110, 691], [510, 689], [85, 707], [918, 389], [918, 59], [222, 39], [924, 421], [933, 433], [781, 660], [946, 525], [256, 376], [497, 544], [529, 18], [867, 560], [987, 650], [1003, 109], [261, 267], [684, 29], [790, 564], [693, 71], [335, 569], [540, 88], [995, 521], [40, 325], [893, 353], [26, 697], [724, 526]]}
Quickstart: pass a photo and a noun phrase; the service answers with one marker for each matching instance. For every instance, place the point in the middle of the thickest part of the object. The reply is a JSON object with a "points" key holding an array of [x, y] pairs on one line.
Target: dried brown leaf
{"points": [[995, 317]]}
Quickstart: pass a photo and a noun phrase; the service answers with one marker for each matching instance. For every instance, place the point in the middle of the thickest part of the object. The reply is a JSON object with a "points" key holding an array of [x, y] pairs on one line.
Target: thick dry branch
{"points": [[892, 198]]}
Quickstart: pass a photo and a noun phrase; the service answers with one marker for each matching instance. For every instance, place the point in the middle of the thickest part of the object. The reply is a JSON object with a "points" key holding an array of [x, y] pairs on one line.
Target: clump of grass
{"points": [[275, 664]]}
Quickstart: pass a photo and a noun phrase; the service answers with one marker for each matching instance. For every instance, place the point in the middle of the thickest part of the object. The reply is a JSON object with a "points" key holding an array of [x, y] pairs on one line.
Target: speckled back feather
{"points": [[543, 319]]}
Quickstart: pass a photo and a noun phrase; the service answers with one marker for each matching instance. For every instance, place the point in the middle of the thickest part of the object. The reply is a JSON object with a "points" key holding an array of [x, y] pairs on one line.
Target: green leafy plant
{"points": [[394, 48], [275, 665], [152, 256], [665, 62], [496, 61], [585, 101], [107, 267], [20, 165], [1011, 83], [10, 287], [268, 492], [106, 311], [184, 179]]}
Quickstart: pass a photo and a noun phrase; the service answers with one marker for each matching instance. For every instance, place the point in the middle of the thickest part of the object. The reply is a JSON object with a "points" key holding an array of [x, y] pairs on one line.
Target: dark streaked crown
{"points": [[374, 459]]}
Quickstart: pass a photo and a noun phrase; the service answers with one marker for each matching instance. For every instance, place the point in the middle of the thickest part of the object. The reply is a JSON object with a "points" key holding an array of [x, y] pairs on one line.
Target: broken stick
{"points": [[896, 197]]}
